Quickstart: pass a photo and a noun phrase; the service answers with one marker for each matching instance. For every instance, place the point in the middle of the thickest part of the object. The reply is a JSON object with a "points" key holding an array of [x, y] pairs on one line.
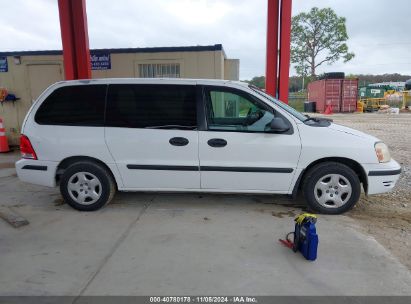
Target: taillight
{"points": [[26, 149]]}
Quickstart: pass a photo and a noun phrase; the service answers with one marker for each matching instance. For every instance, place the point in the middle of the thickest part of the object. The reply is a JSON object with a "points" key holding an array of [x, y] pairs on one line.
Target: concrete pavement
{"points": [[182, 244]]}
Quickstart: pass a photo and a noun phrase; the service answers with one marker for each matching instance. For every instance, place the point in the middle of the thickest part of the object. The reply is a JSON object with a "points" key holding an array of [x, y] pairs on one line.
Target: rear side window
{"points": [[151, 106], [81, 105]]}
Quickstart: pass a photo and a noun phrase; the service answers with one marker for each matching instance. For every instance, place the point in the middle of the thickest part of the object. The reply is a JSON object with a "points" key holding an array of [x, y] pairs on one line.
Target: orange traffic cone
{"points": [[4, 145], [328, 110]]}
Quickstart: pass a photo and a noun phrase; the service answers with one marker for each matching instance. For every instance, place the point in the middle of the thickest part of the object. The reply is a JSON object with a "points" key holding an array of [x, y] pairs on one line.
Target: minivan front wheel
{"points": [[331, 188], [87, 186]]}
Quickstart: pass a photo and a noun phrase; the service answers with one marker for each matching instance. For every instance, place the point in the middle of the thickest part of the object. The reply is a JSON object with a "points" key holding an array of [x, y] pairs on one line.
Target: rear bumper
{"points": [[37, 172], [382, 177]]}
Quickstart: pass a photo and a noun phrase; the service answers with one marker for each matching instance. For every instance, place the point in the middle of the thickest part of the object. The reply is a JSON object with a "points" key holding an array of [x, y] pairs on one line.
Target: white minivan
{"points": [[93, 137]]}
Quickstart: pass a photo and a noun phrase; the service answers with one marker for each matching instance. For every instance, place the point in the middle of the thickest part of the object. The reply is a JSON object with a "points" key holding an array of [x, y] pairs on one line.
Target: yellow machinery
{"points": [[406, 99], [391, 97], [370, 104], [374, 104], [360, 106]]}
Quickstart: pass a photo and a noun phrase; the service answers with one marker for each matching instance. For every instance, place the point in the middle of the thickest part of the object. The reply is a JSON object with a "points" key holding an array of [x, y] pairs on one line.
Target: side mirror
{"points": [[278, 125]]}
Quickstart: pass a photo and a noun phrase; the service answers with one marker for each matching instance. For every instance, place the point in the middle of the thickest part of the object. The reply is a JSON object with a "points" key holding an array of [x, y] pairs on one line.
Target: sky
{"points": [[379, 30]]}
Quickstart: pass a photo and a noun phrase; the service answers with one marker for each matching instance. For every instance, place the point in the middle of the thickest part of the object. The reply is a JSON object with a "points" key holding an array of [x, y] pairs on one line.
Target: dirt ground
{"points": [[387, 217]]}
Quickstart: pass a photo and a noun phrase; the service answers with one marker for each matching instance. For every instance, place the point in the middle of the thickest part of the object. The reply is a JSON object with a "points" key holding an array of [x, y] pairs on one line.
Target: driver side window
{"points": [[228, 110]]}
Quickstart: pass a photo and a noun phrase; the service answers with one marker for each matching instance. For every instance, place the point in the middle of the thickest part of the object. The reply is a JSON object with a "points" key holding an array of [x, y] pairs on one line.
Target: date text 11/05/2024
{"points": [[205, 299]]}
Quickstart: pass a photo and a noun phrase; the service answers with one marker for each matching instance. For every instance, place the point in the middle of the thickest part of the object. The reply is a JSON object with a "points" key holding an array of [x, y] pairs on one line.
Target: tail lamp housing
{"points": [[26, 149]]}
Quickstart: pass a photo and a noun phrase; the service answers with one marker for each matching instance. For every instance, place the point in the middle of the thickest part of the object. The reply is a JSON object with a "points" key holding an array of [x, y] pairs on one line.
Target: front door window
{"points": [[228, 110]]}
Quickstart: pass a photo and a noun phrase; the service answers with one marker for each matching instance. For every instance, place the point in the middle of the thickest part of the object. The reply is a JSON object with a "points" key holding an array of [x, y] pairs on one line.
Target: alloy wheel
{"points": [[332, 191]]}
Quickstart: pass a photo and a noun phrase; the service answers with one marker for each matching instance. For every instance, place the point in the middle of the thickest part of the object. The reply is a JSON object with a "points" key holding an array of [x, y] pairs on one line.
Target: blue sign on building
{"points": [[3, 64], [100, 61]]}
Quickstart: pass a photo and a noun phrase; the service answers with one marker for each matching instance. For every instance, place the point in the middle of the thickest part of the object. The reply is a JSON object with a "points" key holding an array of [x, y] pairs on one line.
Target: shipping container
{"points": [[325, 92], [349, 95], [341, 94]]}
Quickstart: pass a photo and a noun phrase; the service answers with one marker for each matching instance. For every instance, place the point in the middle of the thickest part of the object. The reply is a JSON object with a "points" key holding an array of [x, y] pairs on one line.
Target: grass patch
{"points": [[297, 104]]}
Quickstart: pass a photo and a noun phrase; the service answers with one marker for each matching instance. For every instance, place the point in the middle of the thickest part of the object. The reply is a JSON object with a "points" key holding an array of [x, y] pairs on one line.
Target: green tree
{"points": [[318, 37]]}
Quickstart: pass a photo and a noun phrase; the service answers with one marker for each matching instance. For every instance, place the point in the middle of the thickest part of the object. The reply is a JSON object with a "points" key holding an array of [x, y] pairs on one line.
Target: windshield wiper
{"points": [[173, 127], [317, 119], [312, 118]]}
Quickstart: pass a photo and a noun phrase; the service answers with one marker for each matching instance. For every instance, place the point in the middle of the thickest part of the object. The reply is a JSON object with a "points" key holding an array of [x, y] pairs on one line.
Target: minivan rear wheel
{"points": [[87, 186], [331, 188]]}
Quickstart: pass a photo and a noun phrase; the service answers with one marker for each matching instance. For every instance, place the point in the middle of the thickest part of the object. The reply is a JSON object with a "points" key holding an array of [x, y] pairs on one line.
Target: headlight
{"points": [[383, 154]]}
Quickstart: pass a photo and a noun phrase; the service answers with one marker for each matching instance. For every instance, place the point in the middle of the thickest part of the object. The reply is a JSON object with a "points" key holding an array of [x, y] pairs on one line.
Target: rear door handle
{"points": [[217, 142], [178, 141]]}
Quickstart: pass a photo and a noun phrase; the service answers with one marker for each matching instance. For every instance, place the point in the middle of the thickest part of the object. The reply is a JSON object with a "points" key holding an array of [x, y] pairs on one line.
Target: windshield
{"points": [[282, 105]]}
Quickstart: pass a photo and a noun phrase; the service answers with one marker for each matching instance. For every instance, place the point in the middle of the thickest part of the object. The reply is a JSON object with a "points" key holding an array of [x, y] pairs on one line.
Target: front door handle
{"points": [[217, 142], [178, 141]]}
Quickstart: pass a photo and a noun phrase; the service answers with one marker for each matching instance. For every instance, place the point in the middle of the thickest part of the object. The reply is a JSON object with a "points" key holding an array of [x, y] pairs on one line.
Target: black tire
{"points": [[320, 171], [106, 193]]}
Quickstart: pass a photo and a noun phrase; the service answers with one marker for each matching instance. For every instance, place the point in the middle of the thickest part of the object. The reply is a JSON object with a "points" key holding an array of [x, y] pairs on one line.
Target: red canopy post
{"points": [[74, 36], [271, 68], [278, 58], [285, 50]]}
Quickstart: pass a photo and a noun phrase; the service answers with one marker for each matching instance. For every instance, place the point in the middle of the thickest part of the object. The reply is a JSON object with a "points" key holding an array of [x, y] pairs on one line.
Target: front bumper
{"points": [[37, 172], [382, 177]]}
